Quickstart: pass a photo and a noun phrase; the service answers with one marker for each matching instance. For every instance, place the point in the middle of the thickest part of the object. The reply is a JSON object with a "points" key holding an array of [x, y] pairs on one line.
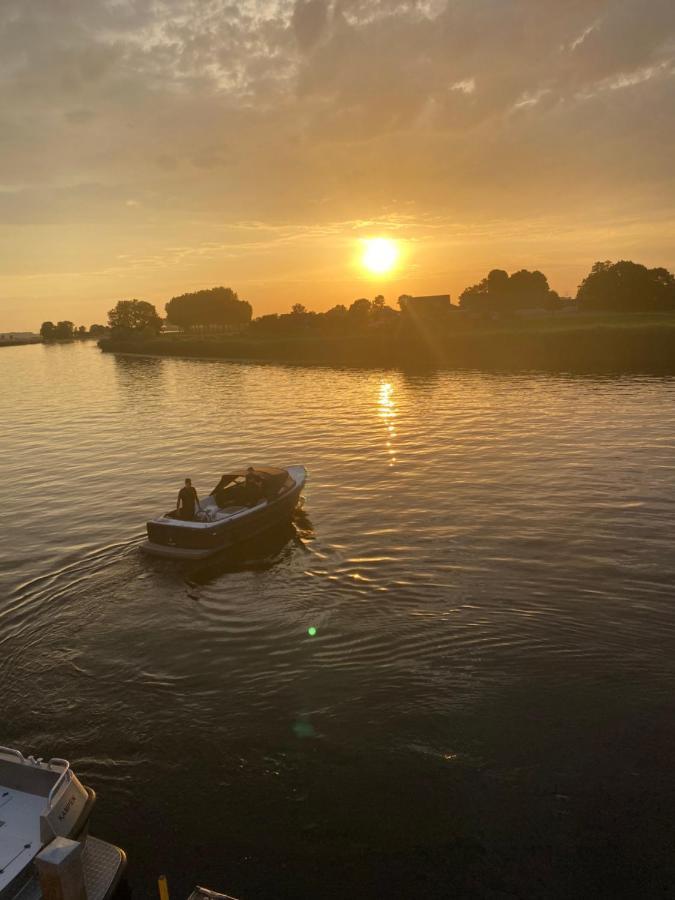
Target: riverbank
{"points": [[20, 343], [621, 344]]}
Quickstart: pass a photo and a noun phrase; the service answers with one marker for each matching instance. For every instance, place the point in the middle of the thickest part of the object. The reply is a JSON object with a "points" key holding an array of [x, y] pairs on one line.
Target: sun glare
{"points": [[379, 255]]}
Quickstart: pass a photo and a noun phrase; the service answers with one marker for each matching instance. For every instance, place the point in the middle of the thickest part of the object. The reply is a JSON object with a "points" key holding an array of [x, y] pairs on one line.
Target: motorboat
{"points": [[41, 803], [232, 513]]}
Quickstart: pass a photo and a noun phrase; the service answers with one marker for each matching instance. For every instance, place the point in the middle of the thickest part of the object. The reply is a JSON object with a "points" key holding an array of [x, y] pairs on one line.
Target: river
{"points": [[486, 708]]}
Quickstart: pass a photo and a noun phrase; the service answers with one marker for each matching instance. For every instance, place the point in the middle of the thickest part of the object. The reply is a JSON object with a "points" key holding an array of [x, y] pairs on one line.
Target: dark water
{"points": [[486, 709]]}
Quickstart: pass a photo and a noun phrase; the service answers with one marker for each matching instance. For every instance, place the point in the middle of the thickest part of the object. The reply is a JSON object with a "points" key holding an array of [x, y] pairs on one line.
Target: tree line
{"points": [[216, 310], [624, 286], [68, 331]]}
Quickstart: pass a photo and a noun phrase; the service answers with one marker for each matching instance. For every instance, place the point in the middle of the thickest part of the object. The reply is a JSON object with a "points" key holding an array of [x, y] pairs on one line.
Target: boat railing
{"points": [[10, 752], [54, 763], [63, 778]]}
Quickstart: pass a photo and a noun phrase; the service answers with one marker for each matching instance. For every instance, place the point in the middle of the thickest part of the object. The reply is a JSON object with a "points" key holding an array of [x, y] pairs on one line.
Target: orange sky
{"points": [[151, 149]]}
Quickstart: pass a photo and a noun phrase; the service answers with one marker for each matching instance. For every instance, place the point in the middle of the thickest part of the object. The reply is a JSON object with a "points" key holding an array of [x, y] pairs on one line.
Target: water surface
{"points": [[486, 709]]}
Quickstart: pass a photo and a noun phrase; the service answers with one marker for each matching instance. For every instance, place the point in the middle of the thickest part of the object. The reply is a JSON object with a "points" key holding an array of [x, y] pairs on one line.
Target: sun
{"points": [[380, 255]]}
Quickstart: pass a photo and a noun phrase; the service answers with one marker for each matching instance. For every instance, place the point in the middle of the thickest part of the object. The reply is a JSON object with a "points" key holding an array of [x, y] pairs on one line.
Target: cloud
{"points": [[303, 111], [309, 20]]}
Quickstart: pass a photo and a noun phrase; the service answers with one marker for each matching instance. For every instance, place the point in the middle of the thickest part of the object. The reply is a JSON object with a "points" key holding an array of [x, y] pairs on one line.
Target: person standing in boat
{"points": [[188, 501]]}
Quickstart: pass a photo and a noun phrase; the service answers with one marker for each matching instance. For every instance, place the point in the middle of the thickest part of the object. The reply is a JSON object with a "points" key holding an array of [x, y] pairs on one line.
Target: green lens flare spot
{"points": [[311, 631]]}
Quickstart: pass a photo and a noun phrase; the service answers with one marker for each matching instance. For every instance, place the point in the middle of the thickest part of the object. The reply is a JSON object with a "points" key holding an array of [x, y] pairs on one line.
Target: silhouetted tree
{"points": [[502, 293], [334, 321], [363, 314], [63, 331], [359, 311], [627, 287], [497, 281], [381, 315], [266, 323], [134, 316], [337, 312], [216, 308], [98, 330]]}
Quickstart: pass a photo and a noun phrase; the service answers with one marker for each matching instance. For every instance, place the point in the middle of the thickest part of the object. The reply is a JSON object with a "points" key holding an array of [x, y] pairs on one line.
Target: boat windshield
{"points": [[266, 472]]}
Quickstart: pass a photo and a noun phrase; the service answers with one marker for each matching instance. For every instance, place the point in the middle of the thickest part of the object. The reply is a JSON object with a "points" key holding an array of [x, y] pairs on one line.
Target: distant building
{"points": [[433, 305], [19, 337]]}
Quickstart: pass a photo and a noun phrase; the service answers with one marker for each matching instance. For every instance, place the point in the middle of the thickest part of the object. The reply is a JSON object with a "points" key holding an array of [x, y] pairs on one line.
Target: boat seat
{"points": [[228, 511]]}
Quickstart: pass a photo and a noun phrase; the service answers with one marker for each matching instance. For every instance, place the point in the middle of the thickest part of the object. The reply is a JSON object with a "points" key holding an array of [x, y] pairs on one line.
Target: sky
{"points": [[153, 147]]}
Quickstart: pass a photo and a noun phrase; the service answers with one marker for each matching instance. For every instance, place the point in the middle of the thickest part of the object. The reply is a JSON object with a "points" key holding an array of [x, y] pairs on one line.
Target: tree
{"points": [[360, 311], [335, 320], [627, 287], [63, 331], [134, 316], [298, 309], [497, 281], [268, 324], [381, 314], [502, 293], [216, 308], [98, 330]]}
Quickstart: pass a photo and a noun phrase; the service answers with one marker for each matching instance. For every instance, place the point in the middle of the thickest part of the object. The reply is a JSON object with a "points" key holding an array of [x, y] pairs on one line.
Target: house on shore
{"points": [[431, 306]]}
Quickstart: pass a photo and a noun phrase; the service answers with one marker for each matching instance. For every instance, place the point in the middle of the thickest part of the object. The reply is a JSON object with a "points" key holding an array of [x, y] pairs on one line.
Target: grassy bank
{"points": [[602, 344]]}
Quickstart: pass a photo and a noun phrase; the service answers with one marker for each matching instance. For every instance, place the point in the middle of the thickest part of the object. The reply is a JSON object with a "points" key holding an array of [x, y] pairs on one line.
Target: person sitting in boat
{"points": [[187, 501], [254, 486]]}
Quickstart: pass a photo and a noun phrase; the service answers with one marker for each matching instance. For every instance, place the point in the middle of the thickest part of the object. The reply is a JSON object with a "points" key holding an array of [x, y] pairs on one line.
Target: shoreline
{"points": [[638, 348]]}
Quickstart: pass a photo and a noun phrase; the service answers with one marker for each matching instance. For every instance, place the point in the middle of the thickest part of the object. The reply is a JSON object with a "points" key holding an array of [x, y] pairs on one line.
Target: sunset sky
{"points": [[151, 147]]}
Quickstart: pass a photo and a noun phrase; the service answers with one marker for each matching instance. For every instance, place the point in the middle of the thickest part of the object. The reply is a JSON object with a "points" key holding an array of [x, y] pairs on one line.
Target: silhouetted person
{"points": [[187, 501]]}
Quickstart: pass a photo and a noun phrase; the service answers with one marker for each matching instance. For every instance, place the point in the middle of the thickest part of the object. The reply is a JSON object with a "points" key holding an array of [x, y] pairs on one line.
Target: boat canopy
{"points": [[241, 473]]}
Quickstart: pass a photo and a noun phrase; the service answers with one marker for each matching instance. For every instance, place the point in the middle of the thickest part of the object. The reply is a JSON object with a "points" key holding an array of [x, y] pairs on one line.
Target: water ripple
{"points": [[481, 572]]}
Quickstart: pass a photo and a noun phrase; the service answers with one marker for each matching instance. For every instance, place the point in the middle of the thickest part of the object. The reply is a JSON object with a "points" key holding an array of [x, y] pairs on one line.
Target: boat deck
{"points": [[103, 865], [19, 830]]}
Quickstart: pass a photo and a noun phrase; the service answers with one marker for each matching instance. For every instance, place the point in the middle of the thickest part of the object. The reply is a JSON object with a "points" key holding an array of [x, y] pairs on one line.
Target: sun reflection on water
{"points": [[387, 412]]}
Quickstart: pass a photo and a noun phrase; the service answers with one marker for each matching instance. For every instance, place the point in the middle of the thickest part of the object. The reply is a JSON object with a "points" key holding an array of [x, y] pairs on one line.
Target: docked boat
{"points": [[41, 803], [229, 515]]}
